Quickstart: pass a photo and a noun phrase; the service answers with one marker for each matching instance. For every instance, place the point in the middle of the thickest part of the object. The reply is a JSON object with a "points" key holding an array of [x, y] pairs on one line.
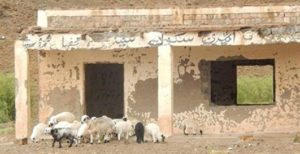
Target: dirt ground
{"points": [[214, 144]]}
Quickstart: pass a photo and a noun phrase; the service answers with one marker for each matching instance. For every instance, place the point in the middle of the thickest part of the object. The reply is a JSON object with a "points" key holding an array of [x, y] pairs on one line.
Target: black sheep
{"points": [[139, 132], [60, 133]]}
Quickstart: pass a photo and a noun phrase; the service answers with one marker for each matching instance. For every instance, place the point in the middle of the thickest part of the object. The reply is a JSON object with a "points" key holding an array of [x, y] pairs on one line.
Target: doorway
{"points": [[104, 90]]}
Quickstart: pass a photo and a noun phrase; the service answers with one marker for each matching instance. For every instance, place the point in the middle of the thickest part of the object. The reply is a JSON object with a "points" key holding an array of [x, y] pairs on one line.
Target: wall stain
{"points": [[134, 70], [48, 73], [77, 72], [238, 57], [42, 54], [70, 72], [286, 94], [145, 99], [65, 100]]}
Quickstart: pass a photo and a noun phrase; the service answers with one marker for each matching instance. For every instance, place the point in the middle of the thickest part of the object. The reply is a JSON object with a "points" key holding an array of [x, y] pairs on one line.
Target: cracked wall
{"points": [[62, 80], [192, 90]]}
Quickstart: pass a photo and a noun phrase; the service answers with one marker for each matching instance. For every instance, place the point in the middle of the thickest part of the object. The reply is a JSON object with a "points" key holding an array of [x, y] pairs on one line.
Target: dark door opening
{"points": [[104, 90]]}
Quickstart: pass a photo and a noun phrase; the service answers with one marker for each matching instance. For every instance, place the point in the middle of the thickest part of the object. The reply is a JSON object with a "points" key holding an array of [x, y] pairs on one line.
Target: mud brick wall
{"points": [[180, 18]]}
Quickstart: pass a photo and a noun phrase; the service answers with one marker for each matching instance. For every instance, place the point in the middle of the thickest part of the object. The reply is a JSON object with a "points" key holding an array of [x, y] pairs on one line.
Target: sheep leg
{"points": [[194, 131], [126, 137], [154, 138], [91, 139], [75, 141], [53, 143], [201, 132], [107, 137], [184, 130], [71, 140], [71, 143], [119, 136], [99, 138], [59, 143]]}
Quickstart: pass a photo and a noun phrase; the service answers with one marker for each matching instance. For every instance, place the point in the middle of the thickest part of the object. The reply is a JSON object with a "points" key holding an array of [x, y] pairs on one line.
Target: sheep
{"points": [[38, 132], [117, 120], [66, 130], [60, 133], [84, 119], [63, 116], [64, 124], [139, 132], [190, 126], [123, 128], [153, 130], [102, 126], [133, 123]]}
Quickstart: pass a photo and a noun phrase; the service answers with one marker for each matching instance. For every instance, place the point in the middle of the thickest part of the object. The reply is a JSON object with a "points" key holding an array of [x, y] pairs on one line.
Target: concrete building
{"points": [[163, 65]]}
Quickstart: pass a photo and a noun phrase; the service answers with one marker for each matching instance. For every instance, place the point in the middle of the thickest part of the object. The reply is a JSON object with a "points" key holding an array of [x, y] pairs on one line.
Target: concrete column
{"points": [[165, 89], [22, 92]]}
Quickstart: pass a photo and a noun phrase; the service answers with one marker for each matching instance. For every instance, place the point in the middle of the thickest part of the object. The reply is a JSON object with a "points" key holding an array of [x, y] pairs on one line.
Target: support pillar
{"points": [[22, 103], [165, 89]]}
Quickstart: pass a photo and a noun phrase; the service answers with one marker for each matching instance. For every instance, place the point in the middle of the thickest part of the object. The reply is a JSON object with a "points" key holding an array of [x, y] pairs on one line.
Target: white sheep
{"points": [[190, 126], [153, 130], [74, 126], [123, 128], [133, 122], [38, 132], [102, 126], [63, 116], [84, 119], [117, 120]]}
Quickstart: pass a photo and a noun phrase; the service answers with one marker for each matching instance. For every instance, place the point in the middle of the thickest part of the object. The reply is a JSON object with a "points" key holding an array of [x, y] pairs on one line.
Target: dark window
{"points": [[242, 82]]}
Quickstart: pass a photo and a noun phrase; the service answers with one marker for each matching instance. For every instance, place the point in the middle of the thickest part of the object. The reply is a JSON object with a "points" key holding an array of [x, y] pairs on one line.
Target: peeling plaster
{"points": [[281, 117], [140, 66], [145, 96], [191, 85]]}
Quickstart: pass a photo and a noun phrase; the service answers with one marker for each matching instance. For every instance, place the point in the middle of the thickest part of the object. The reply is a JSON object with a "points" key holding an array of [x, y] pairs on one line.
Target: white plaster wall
{"points": [[58, 72], [281, 117]]}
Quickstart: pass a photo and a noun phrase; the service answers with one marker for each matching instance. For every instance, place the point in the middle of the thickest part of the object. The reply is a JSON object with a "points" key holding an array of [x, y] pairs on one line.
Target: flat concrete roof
{"points": [[169, 19], [114, 4]]}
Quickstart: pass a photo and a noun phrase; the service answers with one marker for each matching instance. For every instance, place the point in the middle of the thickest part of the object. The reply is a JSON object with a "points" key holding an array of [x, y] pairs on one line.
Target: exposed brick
{"points": [[293, 20], [203, 16], [242, 21], [298, 20], [189, 17], [225, 16], [187, 22], [290, 14]]}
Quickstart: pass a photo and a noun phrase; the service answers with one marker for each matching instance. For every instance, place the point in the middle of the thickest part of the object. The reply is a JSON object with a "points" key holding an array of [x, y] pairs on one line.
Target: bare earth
{"points": [[264, 143]]}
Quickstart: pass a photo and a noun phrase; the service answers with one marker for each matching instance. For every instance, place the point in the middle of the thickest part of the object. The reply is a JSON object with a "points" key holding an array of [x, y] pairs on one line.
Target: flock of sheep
{"points": [[64, 126]]}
